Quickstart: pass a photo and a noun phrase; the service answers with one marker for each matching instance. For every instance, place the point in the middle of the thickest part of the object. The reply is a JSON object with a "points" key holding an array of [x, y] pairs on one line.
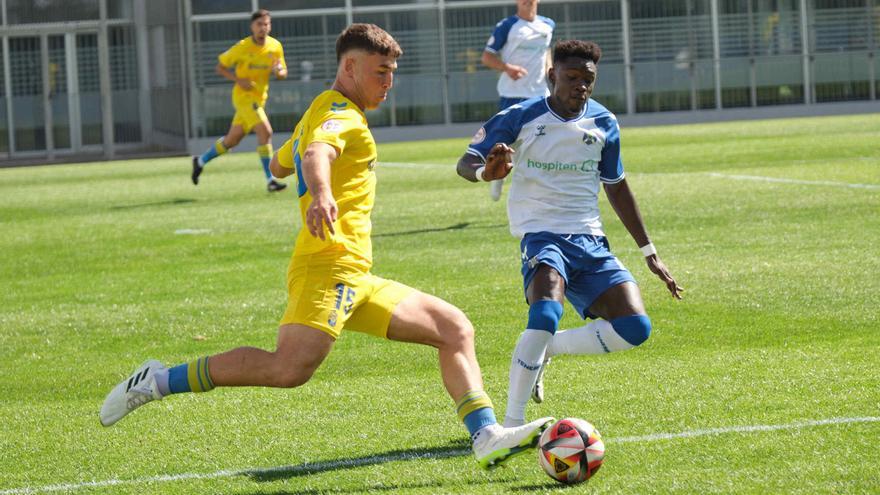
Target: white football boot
{"points": [[131, 393], [538, 389], [494, 444], [495, 189]]}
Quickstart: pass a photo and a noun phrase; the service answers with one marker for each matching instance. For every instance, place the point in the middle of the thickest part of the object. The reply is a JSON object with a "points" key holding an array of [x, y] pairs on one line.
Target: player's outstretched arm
{"points": [[279, 171], [493, 61], [498, 164], [624, 203], [316, 173]]}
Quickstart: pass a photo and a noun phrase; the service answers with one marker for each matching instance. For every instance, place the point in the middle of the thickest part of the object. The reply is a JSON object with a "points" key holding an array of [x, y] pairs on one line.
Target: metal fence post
{"points": [[627, 58], [105, 82], [142, 41], [872, 49], [716, 52], [444, 65], [805, 49], [7, 82], [47, 102]]}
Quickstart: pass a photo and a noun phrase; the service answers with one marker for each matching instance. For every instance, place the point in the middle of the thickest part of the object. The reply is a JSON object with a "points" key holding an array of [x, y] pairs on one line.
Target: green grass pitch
{"points": [[773, 227]]}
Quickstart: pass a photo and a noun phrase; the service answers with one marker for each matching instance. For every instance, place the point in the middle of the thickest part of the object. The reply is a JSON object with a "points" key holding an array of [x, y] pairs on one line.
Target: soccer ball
{"points": [[571, 451]]}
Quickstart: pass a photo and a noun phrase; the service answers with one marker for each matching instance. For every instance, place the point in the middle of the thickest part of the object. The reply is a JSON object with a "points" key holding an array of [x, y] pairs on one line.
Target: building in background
{"points": [[106, 78]]}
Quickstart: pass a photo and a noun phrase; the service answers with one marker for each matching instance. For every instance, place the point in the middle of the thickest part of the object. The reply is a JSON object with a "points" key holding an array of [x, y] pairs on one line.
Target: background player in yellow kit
{"points": [[330, 287], [248, 64]]}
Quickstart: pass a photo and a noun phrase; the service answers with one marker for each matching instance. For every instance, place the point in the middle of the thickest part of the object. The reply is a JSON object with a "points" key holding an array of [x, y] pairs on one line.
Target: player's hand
{"points": [[515, 71], [659, 269], [498, 163], [244, 83], [277, 68], [321, 211]]}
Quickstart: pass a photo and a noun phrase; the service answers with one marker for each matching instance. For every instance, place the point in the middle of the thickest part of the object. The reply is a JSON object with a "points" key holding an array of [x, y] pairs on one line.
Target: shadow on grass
{"points": [[175, 201], [458, 226], [441, 485], [454, 449]]}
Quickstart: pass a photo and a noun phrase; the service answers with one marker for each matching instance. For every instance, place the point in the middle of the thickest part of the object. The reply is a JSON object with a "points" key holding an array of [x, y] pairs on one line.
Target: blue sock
{"points": [[265, 153], [545, 315], [479, 419], [190, 377], [265, 161], [475, 410], [213, 152]]}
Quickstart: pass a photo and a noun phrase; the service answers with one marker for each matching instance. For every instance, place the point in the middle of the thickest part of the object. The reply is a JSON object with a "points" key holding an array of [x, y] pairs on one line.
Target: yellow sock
{"points": [[198, 377]]}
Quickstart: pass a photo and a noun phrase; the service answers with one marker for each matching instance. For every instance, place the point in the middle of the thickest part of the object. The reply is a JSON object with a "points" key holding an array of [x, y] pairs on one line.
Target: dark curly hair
{"points": [[577, 48]]}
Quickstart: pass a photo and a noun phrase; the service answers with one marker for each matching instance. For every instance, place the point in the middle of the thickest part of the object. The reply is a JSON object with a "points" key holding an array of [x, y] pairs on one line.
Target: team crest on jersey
{"points": [[331, 125], [589, 139], [541, 130], [479, 136]]}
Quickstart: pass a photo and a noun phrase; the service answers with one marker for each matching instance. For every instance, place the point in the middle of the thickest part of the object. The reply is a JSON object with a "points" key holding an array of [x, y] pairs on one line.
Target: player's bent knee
{"points": [[291, 378], [635, 329], [456, 328], [545, 315]]}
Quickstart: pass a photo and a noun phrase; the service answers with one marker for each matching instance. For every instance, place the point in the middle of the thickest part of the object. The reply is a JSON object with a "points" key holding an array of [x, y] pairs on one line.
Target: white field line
{"points": [[781, 180], [759, 178], [404, 456]]}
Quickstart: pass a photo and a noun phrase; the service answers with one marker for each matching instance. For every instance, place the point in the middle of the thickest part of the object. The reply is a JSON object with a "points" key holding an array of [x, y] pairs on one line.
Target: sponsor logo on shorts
{"points": [[332, 319], [479, 136], [585, 166]]}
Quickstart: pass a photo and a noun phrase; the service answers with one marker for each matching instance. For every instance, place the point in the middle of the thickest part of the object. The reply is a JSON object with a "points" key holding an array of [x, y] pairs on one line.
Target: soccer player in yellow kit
{"points": [[330, 287], [248, 64]]}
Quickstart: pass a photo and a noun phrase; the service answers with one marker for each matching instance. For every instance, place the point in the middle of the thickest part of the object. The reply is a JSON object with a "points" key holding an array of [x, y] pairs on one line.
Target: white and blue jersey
{"points": [[558, 165], [524, 43], [553, 205]]}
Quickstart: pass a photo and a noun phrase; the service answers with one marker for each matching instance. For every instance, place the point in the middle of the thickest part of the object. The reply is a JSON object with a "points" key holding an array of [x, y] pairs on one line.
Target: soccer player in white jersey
{"points": [[565, 145], [519, 49]]}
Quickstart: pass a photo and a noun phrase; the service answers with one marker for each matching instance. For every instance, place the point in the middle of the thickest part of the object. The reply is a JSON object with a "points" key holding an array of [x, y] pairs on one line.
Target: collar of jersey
{"points": [[583, 113], [353, 105]]}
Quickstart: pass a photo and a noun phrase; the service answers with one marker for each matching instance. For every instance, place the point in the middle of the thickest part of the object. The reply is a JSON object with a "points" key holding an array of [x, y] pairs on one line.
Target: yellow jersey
{"points": [[334, 119], [253, 62]]}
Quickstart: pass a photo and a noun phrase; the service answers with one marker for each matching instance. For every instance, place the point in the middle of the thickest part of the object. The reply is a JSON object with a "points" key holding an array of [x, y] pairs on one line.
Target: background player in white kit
{"points": [[519, 49], [565, 145]]}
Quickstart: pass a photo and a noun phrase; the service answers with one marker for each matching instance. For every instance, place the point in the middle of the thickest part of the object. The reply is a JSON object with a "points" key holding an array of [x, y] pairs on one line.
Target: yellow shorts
{"points": [[333, 297], [248, 115]]}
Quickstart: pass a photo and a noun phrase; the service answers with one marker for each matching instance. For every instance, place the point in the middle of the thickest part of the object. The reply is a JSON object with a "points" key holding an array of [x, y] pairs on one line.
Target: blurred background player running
{"points": [[519, 49], [248, 64]]}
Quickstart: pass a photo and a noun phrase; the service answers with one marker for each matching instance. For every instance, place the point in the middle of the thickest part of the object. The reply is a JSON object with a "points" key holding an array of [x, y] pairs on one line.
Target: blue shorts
{"points": [[505, 102], [584, 261]]}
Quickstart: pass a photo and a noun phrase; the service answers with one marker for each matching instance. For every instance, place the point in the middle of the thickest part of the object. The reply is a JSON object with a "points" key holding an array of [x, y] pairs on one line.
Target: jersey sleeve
{"points": [[281, 56], [504, 128], [285, 153], [499, 35], [335, 128], [230, 57], [610, 165]]}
